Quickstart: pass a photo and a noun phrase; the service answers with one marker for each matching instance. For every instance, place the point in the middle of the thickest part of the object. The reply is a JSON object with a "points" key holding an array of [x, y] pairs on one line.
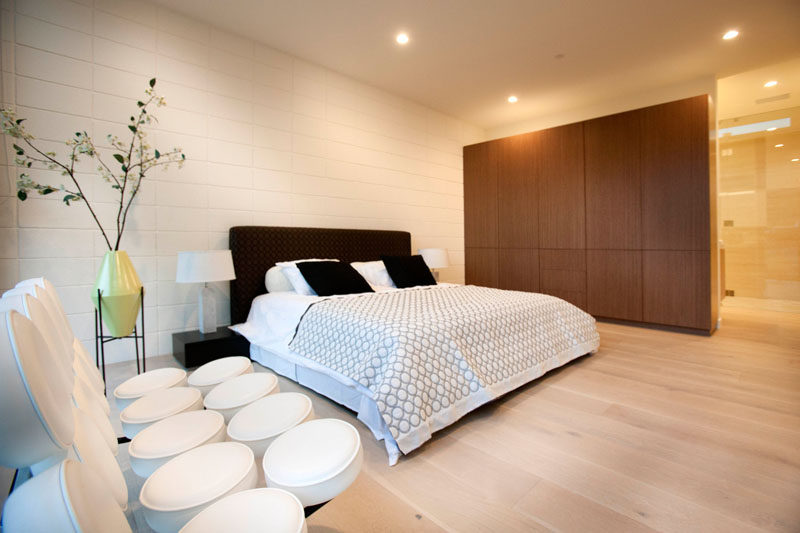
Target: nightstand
{"points": [[192, 348]]}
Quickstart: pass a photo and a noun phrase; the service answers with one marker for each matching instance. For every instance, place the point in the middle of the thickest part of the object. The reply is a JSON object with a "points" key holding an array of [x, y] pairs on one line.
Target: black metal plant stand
{"points": [[100, 339]]}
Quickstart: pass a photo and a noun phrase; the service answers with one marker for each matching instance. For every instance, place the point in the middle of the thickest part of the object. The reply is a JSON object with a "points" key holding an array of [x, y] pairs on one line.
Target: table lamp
{"points": [[435, 258], [205, 267]]}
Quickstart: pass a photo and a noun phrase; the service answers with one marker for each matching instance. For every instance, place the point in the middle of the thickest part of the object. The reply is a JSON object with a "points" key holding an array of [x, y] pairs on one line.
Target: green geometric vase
{"points": [[120, 288]]}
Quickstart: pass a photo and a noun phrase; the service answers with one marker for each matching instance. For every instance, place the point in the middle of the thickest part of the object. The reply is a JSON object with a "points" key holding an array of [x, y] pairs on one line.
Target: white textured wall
{"points": [[270, 140]]}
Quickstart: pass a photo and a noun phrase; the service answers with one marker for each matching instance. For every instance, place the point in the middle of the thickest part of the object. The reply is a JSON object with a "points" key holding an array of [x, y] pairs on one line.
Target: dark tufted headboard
{"points": [[256, 249]]}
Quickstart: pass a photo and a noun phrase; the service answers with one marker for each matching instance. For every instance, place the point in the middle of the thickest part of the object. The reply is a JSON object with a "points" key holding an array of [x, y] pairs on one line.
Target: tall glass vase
{"points": [[120, 288]]}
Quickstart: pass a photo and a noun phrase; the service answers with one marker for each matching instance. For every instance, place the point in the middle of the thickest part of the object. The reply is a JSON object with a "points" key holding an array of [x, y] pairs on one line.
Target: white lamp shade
{"points": [[435, 257], [204, 266]]}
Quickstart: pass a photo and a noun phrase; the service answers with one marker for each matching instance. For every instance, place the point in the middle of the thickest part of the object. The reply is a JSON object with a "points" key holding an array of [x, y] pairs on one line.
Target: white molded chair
{"points": [[85, 364], [66, 497], [260, 423], [192, 481], [315, 461], [90, 449], [158, 405], [251, 511], [54, 358], [215, 372], [85, 400], [82, 394], [168, 438], [229, 397], [53, 303], [134, 388], [37, 417], [48, 295], [30, 300]]}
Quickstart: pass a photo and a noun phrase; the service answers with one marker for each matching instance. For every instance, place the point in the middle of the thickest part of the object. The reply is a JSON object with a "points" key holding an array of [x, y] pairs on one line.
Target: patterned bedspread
{"points": [[433, 354]]}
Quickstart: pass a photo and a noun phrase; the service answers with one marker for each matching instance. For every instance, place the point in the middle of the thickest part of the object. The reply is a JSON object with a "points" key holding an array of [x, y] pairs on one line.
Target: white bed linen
{"points": [[270, 326]]}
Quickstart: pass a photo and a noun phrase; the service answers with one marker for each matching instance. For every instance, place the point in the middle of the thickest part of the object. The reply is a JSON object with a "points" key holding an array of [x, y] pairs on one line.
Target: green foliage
{"points": [[135, 157]]}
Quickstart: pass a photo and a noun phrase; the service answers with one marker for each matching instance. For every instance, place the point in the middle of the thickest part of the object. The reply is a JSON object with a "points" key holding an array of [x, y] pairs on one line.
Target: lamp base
{"points": [[207, 311]]}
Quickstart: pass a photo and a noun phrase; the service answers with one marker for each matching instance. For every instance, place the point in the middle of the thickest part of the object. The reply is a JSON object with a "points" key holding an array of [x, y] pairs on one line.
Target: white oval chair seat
{"points": [[91, 449], [259, 423], [134, 388], [251, 511], [37, 413], [215, 372], [229, 397], [187, 484], [66, 497], [167, 438], [315, 461], [158, 405]]}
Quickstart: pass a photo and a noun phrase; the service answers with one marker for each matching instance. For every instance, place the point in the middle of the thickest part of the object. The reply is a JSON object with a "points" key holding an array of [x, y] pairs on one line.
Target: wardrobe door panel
{"points": [[480, 194], [614, 283], [517, 194], [675, 176], [562, 273], [613, 185], [677, 288], [559, 171], [518, 269], [480, 266]]}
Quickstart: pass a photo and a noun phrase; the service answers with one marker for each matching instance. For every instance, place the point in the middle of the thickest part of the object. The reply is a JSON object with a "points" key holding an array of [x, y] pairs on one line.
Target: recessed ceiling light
{"points": [[402, 38], [730, 34], [771, 83], [796, 159], [772, 128], [512, 99], [779, 145]]}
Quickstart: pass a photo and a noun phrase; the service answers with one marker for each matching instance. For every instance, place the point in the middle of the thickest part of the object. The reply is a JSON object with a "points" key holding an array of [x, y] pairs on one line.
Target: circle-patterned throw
{"points": [[430, 355]]}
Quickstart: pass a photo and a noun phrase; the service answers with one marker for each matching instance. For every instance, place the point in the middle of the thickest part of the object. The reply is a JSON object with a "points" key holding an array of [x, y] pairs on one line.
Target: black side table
{"points": [[192, 348]]}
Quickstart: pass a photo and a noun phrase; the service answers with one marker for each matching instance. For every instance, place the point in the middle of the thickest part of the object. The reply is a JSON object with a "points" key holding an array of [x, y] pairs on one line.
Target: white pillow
{"points": [[276, 281], [374, 272], [295, 277]]}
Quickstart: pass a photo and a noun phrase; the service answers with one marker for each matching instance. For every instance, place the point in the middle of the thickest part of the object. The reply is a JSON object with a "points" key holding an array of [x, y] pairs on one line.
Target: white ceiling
{"points": [[744, 94], [466, 56]]}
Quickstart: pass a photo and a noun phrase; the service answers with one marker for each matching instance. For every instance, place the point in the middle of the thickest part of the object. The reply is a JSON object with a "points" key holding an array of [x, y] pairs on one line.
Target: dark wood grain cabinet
{"points": [[676, 288], [562, 212], [518, 269], [480, 194], [613, 182], [518, 213], [562, 273], [480, 266], [612, 214], [675, 176], [614, 283]]}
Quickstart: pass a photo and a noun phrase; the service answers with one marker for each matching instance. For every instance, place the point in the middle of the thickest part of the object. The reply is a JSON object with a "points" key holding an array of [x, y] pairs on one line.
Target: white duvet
{"points": [[426, 356]]}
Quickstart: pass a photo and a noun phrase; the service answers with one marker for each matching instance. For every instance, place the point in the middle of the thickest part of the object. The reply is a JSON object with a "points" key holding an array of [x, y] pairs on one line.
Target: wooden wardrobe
{"points": [[615, 214]]}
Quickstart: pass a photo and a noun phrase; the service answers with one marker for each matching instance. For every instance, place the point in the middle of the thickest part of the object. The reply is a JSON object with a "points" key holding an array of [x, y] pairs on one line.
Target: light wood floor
{"points": [[657, 431]]}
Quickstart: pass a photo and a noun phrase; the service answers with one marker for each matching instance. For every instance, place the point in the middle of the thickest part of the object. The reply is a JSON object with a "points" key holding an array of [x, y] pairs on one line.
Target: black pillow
{"points": [[408, 270], [333, 277]]}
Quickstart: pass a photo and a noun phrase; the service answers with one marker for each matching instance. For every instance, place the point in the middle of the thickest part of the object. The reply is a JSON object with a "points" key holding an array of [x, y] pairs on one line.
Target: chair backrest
{"points": [[46, 292], [36, 420], [75, 498]]}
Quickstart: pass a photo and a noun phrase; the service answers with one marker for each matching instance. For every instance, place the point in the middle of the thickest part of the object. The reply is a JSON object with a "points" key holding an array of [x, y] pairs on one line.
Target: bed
{"points": [[408, 361]]}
